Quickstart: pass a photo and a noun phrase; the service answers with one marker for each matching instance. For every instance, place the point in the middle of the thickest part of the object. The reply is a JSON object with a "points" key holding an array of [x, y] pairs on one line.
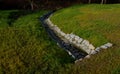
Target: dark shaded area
{"points": [[16, 14], [11, 4], [44, 4]]}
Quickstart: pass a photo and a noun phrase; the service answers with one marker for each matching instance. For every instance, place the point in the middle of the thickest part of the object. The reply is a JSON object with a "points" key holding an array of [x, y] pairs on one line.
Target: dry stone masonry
{"points": [[78, 42]]}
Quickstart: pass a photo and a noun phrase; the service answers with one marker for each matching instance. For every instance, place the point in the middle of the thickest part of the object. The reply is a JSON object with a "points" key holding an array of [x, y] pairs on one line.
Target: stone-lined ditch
{"points": [[76, 46]]}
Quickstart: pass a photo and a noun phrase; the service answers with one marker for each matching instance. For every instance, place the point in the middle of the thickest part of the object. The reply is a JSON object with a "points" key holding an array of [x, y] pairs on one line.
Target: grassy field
{"points": [[25, 47], [99, 24]]}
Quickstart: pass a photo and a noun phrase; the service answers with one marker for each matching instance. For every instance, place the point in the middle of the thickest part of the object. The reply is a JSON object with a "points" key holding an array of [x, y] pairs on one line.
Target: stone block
{"points": [[49, 22], [86, 42], [66, 36], [78, 45], [69, 53], [93, 52], [80, 40], [87, 56], [97, 49], [70, 40], [85, 48], [76, 38], [91, 47], [108, 45], [103, 47], [72, 35], [58, 31], [74, 42], [62, 33], [56, 28]]}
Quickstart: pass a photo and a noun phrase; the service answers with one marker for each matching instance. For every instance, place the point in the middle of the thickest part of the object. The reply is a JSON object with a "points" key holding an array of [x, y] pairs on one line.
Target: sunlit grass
{"points": [[99, 24], [89, 22]]}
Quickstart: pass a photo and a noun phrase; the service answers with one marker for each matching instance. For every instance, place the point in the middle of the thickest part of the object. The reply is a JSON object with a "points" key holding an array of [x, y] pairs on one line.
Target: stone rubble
{"points": [[105, 46]]}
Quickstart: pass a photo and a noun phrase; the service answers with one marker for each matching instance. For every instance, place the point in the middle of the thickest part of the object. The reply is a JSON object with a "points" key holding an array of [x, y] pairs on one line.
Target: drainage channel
{"points": [[76, 46]]}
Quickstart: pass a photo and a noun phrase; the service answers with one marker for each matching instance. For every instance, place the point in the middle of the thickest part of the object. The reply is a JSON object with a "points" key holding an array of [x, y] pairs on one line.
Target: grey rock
{"points": [[58, 44], [76, 38], [49, 22], [74, 42], [66, 36], [80, 40], [56, 28], [91, 47], [72, 35], [62, 33], [97, 49], [93, 52], [108, 45], [86, 42], [103, 47], [78, 45], [70, 40], [69, 53], [85, 48], [73, 56], [88, 56]]}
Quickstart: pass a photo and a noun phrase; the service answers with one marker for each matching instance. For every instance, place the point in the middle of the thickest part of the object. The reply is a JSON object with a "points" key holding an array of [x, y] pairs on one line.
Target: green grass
{"points": [[89, 21], [99, 24], [3, 18], [25, 47]]}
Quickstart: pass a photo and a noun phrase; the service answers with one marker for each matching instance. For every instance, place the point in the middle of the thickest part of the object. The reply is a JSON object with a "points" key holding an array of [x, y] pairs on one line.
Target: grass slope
{"points": [[99, 24], [91, 22], [25, 47]]}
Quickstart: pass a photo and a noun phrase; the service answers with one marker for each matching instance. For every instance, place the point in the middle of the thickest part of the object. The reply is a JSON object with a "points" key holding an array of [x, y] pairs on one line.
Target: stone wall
{"points": [[76, 41]]}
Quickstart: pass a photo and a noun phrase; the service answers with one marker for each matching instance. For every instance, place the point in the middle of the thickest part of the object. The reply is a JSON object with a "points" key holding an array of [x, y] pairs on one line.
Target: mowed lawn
{"points": [[99, 24], [25, 47]]}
